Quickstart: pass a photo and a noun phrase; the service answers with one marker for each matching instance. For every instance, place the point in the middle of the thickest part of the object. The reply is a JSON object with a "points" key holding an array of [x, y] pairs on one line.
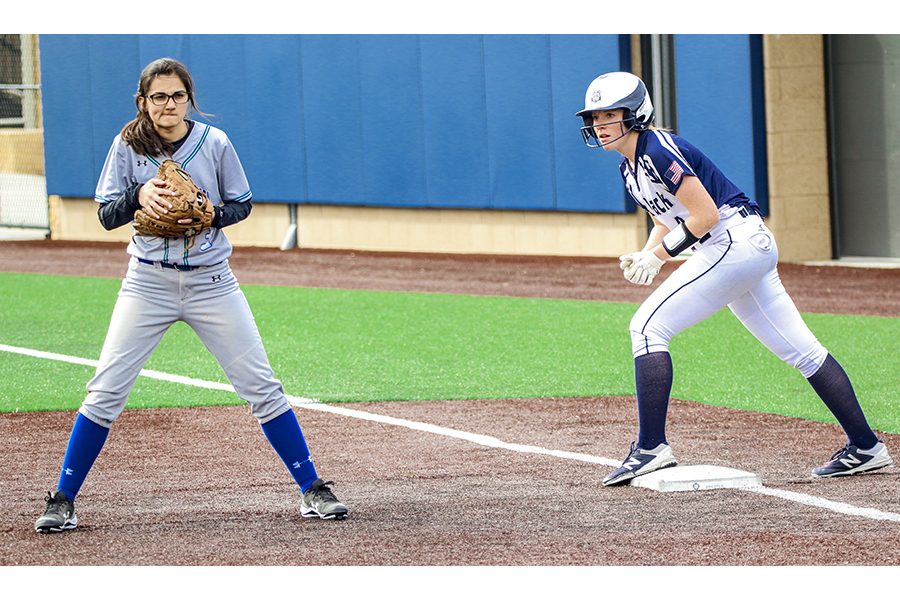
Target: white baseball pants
{"points": [[737, 269]]}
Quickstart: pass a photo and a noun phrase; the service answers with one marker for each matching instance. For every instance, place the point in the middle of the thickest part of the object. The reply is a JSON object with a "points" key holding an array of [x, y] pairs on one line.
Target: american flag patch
{"points": [[674, 173]]}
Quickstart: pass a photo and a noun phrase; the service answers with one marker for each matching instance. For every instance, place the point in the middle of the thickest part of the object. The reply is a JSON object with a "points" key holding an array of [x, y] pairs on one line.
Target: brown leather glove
{"points": [[189, 203]]}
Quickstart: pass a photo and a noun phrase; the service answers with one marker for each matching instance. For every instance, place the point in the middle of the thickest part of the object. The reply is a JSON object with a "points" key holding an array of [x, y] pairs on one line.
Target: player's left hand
{"points": [[644, 267]]}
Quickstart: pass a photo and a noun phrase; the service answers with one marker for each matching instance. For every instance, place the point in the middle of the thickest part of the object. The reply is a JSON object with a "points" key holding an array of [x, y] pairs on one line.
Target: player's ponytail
{"points": [[139, 133]]}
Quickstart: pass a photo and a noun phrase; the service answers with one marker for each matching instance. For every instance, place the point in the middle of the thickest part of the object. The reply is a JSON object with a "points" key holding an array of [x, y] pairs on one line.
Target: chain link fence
{"points": [[23, 188]]}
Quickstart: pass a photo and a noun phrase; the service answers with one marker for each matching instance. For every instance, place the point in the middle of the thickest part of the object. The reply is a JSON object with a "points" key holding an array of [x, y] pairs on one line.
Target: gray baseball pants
{"points": [[207, 299]]}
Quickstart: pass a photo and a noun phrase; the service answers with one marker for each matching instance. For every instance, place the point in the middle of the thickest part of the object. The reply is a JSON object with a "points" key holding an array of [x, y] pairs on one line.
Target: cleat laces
{"points": [[56, 506], [53, 505], [840, 452], [323, 492]]}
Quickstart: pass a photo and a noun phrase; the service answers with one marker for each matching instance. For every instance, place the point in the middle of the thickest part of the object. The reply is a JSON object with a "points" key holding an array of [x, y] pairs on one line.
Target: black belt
{"points": [[169, 265], [746, 211]]}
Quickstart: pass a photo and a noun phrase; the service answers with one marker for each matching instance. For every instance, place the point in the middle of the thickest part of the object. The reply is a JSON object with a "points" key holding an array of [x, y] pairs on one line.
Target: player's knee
{"points": [[103, 407], [808, 362], [270, 408], [648, 339], [94, 417], [270, 412]]}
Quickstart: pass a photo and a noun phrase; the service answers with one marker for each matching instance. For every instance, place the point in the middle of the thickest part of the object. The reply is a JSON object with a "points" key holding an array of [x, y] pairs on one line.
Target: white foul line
{"points": [[483, 440], [475, 438], [838, 507], [75, 360]]}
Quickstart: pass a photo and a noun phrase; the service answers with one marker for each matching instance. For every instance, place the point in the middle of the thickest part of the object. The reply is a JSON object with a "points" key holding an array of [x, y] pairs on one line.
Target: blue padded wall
{"points": [[720, 105], [457, 121]]}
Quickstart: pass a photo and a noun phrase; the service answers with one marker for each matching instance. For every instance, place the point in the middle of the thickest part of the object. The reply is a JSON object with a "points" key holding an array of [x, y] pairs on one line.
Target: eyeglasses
{"points": [[161, 98]]}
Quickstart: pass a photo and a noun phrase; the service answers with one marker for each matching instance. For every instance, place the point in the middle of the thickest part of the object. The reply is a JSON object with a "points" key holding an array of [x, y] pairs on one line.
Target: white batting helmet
{"points": [[616, 90]]}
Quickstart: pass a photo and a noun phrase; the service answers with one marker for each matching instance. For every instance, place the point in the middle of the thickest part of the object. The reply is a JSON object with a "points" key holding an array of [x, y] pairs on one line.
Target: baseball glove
{"points": [[190, 203]]}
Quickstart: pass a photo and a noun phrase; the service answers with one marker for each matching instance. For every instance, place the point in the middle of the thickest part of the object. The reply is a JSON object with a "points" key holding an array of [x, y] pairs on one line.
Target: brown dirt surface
{"points": [[843, 290], [201, 486]]}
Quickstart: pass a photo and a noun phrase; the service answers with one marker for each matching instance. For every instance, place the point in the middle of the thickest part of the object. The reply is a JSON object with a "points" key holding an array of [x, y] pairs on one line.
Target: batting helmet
{"points": [[611, 91]]}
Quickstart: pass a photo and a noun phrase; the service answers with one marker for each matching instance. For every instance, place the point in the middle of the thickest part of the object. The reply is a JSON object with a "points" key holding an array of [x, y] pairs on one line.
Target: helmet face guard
{"points": [[618, 90], [589, 134]]}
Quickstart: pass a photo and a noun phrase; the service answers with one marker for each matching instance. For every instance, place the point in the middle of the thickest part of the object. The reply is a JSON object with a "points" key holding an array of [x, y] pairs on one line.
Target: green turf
{"points": [[341, 345]]}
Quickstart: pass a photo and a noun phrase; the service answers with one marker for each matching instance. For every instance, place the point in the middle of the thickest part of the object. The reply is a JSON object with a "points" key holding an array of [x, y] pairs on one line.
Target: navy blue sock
{"points": [[834, 388], [85, 444], [653, 383], [284, 433]]}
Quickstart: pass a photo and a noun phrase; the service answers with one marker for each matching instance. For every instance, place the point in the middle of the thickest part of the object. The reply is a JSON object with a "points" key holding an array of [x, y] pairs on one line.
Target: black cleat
{"points": [[640, 462], [851, 460]]}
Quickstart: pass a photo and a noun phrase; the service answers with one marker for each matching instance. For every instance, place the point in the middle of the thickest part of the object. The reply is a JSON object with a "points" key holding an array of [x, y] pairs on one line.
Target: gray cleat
{"points": [[319, 501], [58, 516]]}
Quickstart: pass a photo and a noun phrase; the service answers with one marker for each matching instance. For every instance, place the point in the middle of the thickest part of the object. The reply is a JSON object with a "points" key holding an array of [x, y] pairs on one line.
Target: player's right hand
{"points": [[154, 196], [626, 260], [644, 267]]}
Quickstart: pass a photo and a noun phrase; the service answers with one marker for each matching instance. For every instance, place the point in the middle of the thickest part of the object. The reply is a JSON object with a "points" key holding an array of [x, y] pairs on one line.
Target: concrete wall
{"points": [[396, 229], [76, 219], [796, 132], [472, 232], [22, 151]]}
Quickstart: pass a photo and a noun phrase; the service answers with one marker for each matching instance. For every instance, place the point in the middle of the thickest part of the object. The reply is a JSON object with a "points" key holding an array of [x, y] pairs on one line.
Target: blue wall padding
{"points": [[451, 121], [720, 106]]}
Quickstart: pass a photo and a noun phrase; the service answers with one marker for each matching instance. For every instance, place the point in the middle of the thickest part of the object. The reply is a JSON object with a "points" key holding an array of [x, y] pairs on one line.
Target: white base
{"points": [[695, 478]]}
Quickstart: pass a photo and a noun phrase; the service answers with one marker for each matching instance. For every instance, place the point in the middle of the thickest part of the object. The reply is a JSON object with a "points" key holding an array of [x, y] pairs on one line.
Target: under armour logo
{"points": [[296, 465], [68, 471], [216, 278], [142, 163]]}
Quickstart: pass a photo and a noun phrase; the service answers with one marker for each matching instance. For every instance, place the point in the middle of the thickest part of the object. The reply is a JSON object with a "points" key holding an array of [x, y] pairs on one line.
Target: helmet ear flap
{"points": [[643, 116]]}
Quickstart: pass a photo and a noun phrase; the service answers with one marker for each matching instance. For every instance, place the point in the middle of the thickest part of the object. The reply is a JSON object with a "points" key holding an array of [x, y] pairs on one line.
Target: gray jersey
{"points": [[209, 157]]}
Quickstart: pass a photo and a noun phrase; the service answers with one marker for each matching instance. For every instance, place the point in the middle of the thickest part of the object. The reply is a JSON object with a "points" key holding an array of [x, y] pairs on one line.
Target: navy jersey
{"points": [[662, 161]]}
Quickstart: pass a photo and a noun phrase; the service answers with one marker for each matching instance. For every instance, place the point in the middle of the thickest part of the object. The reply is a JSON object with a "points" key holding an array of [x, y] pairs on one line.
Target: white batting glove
{"points": [[644, 267], [626, 259]]}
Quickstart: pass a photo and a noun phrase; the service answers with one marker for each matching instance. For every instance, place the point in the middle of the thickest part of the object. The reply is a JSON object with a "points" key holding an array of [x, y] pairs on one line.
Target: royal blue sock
{"points": [[834, 388], [85, 444], [653, 383], [284, 433]]}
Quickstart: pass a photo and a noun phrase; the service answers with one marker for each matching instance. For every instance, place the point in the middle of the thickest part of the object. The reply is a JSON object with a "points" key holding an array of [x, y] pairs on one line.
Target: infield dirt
{"points": [[201, 486]]}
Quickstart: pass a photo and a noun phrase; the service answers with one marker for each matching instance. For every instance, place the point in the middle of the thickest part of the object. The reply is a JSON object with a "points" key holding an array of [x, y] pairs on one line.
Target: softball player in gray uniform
{"points": [[733, 263], [171, 280]]}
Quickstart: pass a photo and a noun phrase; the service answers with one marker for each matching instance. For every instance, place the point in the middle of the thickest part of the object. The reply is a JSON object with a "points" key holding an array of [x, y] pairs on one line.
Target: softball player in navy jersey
{"points": [[178, 279], [733, 263]]}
